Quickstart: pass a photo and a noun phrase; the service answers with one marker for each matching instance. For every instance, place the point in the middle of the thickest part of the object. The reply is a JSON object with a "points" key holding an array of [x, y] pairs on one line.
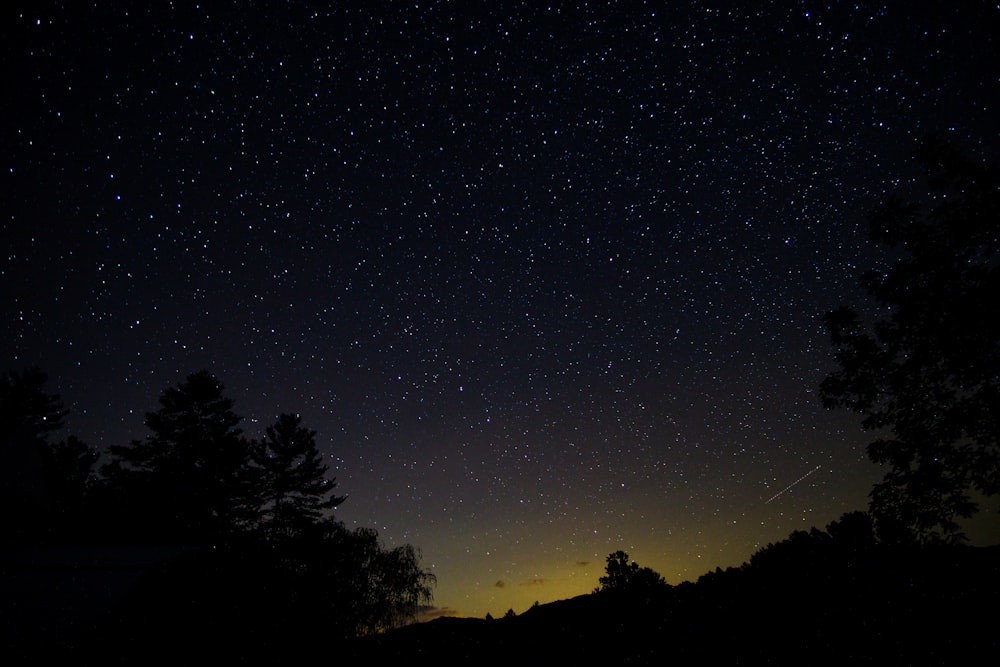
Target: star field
{"points": [[547, 280]]}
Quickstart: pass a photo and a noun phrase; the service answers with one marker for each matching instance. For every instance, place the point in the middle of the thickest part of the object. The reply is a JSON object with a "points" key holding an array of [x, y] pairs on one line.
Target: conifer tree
{"points": [[28, 415], [190, 476], [294, 489]]}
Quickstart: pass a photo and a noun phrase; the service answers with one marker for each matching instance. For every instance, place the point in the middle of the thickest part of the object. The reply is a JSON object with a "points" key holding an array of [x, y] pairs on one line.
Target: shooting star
{"points": [[792, 484]]}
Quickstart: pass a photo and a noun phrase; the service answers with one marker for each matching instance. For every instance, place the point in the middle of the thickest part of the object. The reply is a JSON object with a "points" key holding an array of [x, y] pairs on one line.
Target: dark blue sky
{"points": [[547, 280]]}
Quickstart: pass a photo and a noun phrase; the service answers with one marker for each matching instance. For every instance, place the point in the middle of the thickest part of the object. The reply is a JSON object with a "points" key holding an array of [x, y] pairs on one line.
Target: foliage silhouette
{"points": [[190, 478], [839, 595], [249, 522], [68, 467], [270, 497], [926, 377], [816, 553], [834, 596], [293, 487], [351, 581], [263, 601], [621, 574], [26, 410], [42, 484], [242, 528]]}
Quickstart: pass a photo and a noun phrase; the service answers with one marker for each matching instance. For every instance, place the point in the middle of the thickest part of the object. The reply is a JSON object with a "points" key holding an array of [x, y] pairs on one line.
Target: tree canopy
{"points": [[242, 509], [42, 483], [926, 375], [27, 410], [191, 474], [623, 574], [293, 487]]}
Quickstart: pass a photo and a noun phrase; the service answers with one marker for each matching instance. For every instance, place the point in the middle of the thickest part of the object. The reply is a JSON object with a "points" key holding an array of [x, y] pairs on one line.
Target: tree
{"points": [[68, 467], [621, 574], [926, 377], [42, 484], [190, 478], [617, 572], [293, 487], [27, 411], [196, 478], [397, 587], [350, 584]]}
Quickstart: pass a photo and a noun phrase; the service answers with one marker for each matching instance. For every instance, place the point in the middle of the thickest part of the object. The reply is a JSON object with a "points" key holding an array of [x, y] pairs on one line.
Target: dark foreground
{"points": [[789, 606], [930, 608]]}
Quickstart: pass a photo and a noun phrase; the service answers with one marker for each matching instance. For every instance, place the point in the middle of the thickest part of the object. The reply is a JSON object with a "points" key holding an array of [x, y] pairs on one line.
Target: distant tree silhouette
{"points": [[71, 462], [800, 550], [854, 531], [43, 483], [291, 479], [26, 409], [622, 574], [618, 571], [845, 541], [68, 467], [190, 478], [927, 375]]}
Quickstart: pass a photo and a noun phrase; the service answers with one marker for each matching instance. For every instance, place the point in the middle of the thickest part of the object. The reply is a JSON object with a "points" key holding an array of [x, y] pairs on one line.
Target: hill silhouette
{"points": [[930, 605], [818, 597]]}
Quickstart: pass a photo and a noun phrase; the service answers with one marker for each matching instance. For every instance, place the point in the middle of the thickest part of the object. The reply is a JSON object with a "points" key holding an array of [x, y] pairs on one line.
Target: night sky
{"points": [[547, 280]]}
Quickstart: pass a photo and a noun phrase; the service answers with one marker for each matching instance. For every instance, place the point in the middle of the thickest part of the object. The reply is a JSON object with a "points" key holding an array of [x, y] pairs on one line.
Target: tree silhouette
{"points": [[190, 478], [196, 478], [68, 467], [349, 581], [621, 574], [26, 410], [397, 586], [70, 464], [926, 377], [41, 483], [618, 571], [293, 489], [196, 481]]}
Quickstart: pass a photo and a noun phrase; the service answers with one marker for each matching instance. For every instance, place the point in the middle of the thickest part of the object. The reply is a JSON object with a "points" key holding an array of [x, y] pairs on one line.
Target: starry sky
{"points": [[547, 279]]}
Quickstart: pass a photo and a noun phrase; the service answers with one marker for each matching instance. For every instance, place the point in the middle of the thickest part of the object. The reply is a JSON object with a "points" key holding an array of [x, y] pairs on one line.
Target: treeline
{"points": [[255, 514], [833, 596]]}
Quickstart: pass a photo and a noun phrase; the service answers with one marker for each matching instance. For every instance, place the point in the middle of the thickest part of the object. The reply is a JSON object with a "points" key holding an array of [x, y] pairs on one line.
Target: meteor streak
{"points": [[792, 484]]}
